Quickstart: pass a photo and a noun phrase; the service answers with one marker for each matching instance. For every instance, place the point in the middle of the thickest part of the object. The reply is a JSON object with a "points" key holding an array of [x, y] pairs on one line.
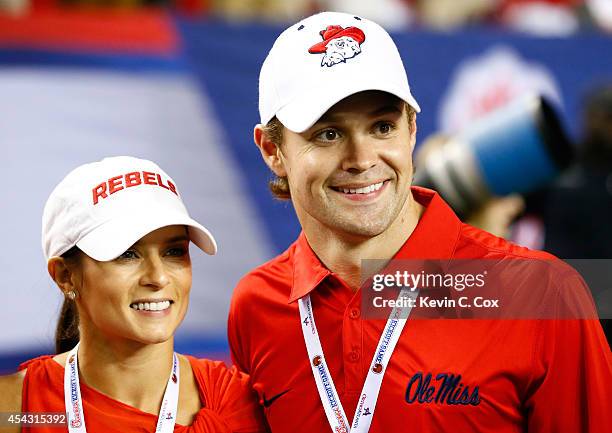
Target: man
{"points": [[338, 134]]}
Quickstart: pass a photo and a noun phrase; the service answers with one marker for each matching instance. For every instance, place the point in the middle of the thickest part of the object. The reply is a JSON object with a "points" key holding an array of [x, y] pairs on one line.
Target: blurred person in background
{"points": [[497, 214], [570, 217], [540, 17], [266, 10], [578, 208], [600, 13], [536, 17], [116, 235], [576, 212], [394, 14], [14, 7], [450, 14]]}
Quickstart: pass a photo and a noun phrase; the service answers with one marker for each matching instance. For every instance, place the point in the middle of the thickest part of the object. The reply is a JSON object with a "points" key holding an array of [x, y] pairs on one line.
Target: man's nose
{"points": [[154, 273], [361, 154]]}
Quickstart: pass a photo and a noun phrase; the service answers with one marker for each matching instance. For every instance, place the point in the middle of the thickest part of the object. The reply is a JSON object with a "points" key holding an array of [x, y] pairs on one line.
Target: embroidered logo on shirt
{"points": [[446, 388], [268, 402]]}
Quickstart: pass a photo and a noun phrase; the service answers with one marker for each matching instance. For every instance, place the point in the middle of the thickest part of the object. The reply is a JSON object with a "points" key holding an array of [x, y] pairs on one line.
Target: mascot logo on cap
{"points": [[338, 44]]}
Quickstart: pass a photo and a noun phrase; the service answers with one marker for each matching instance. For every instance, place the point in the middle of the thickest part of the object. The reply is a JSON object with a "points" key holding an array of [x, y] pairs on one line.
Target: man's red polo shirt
{"points": [[532, 375]]}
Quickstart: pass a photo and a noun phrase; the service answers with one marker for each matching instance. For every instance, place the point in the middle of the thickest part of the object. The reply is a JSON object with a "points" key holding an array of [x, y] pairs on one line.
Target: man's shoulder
{"points": [[477, 243]]}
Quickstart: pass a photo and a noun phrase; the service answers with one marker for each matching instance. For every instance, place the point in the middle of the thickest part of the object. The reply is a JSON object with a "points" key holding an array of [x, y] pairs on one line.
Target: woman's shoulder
{"points": [[36, 382], [208, 365], [217, 375], [43, 361], [11, 387], [227, 395]]}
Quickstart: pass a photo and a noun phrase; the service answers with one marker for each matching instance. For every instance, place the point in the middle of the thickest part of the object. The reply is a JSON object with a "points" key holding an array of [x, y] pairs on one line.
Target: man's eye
{"points": [[384, 128], [328, 135]]}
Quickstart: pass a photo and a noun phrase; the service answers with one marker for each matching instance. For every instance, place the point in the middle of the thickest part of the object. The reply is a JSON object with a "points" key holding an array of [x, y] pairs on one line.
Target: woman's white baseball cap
{"points": [[321, 60], [105, 207]]}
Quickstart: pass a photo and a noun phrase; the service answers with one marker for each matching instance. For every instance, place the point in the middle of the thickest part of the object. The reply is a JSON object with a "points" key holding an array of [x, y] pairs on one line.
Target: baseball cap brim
{"points": [[109, 240], [303, 112]]}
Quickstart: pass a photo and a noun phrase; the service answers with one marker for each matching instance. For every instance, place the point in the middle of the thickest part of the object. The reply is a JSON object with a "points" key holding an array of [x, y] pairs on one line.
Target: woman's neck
{"points": [[133, 373]]}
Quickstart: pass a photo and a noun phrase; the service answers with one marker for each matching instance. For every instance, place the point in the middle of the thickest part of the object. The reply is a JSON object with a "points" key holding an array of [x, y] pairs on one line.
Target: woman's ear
{"points": [[270, 152], [61, 273]]}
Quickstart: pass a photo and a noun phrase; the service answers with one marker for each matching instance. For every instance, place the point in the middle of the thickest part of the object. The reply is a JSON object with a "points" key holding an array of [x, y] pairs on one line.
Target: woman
{"points": [[116, 236]]}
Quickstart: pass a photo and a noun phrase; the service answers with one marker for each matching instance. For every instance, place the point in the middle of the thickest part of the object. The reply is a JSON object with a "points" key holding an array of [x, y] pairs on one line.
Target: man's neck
{"points": [[132, 373], [343, 253]]}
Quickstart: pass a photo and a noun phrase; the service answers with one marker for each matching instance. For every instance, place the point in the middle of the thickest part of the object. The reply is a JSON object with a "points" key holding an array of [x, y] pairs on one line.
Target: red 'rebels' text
{"points": [[129, 180]]}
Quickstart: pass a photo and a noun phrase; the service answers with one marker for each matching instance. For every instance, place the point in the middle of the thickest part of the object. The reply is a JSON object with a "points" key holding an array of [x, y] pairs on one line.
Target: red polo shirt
{"points": [[532, 375]]}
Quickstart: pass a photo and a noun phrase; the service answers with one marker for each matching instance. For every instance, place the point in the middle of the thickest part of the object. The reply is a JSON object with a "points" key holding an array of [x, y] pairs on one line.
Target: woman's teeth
{"points": [[364, 190], [151, 306]]}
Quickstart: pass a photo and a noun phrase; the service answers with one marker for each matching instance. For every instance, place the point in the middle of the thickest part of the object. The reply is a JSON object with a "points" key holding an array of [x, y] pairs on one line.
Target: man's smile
{"points": [[363, 191]]}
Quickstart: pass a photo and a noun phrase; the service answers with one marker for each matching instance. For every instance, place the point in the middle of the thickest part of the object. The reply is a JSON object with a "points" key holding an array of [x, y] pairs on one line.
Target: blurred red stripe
{"points": [[130, 31]]}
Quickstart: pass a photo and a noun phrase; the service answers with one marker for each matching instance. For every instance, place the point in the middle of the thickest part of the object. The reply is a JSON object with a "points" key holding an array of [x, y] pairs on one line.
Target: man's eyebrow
{"points": [[387, 109], [380, 111], [328, 118]]}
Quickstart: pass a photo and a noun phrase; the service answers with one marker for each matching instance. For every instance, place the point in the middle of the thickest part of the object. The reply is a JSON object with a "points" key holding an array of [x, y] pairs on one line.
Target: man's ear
{"points": [[61, 273], [413, 131], [270, 152]]}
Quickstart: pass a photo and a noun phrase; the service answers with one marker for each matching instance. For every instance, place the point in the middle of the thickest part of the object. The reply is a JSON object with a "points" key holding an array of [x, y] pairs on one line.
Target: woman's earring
{"points": [[71, 295]]}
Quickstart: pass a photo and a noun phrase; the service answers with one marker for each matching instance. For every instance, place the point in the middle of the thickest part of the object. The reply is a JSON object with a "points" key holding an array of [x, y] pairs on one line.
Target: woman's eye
{"points": [[177, 252], [129, 254]]}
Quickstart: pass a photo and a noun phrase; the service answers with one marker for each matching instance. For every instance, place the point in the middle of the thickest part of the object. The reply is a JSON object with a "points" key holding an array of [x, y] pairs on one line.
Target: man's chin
{"points": [[362, 228]]}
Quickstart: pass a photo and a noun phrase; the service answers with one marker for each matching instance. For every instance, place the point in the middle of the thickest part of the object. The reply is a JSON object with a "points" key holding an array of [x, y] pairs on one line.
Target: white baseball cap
{"points": [[105, 207], [321, 60]]}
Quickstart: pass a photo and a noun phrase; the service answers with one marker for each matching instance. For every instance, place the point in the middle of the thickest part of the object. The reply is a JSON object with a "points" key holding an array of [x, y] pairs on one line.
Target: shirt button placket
{"points": [[352, 347], [353, 355]]}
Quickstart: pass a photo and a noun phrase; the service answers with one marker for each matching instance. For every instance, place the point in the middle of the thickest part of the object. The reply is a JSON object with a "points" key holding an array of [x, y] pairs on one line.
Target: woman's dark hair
{"points": [[67, 331]]}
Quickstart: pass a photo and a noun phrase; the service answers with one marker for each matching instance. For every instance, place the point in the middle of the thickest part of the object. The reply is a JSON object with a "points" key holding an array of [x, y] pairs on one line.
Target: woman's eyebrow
{"points": [[180, 238]]}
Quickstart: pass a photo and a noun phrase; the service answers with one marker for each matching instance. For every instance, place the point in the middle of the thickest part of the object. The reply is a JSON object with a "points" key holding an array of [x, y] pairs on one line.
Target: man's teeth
{"points": [[364, 190], [151, 306]]}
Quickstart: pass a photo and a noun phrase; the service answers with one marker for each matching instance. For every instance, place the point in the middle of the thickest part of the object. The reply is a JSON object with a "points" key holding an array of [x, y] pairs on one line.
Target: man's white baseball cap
{"points": [[105, 207], [299, 81]]}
